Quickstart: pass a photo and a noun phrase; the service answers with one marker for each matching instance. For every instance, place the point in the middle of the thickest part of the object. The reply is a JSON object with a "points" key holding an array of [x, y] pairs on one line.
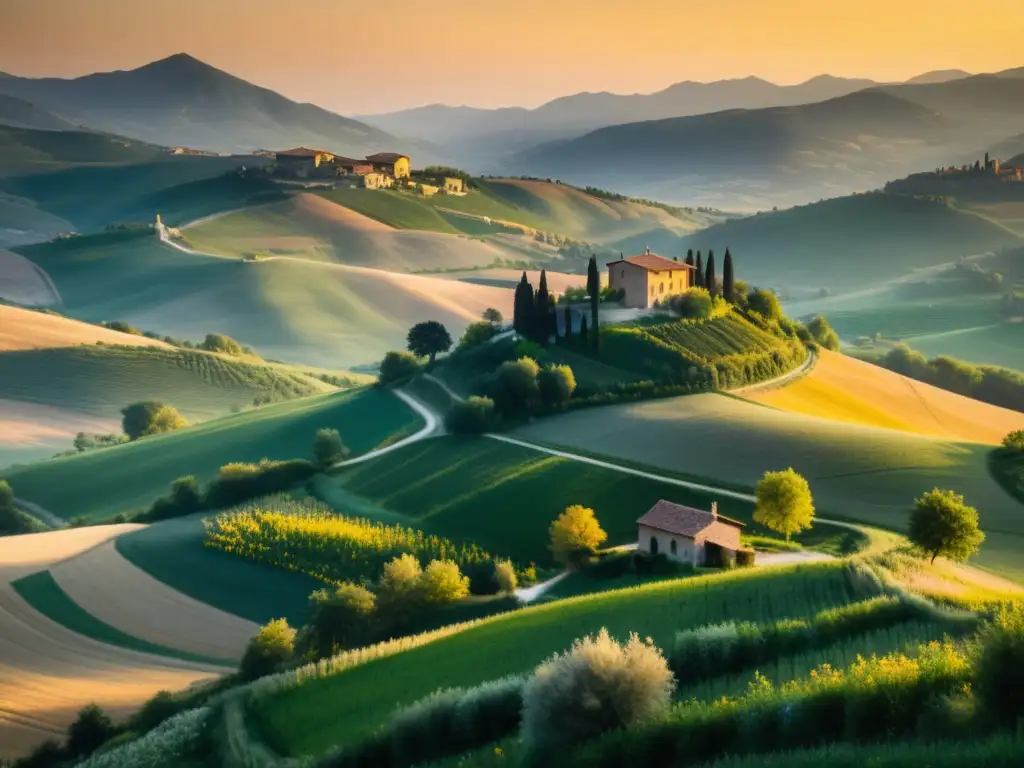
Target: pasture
{"points": [[845, 389], [345, 707], [856, 472], [125, 479], [503, 497]]}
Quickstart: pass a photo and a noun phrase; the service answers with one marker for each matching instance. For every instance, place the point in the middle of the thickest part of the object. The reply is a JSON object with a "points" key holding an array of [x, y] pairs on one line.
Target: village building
{"points": [[644, 279], [453, 186], [391, 163], [377, 180], [347, 166], [302, 161], [689, 535]]}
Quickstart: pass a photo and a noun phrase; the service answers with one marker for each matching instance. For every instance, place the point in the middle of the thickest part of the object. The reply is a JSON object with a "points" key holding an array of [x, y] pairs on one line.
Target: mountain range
{"points": [[181, 101]]}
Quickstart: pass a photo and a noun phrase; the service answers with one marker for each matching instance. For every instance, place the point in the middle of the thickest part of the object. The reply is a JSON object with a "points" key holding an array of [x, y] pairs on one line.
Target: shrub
{"points": [[516, 392], [505, 575], [400, 590], [89, 731], [342, 617], [556, 384], [328, 448], [443, 582], [218, 342], [822, 333], [473, 416], [492, 316], [1014, 441], [783, 502], [942, 524], [575, 534], [765, 303], [170, 744], [162, 706], [477, 334], [272, 646], [397, 366], [999, 666], [596, 686], [693, 303], [149, 418], [241, 482], [46, 754], [123, 327], [11, 520]]}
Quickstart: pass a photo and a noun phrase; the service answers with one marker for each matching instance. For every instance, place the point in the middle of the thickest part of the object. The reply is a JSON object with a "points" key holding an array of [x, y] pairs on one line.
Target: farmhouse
{"points": [[645, 278], [391, 163], [302, 160], [347, 166], [689, 535], [453, 185]]}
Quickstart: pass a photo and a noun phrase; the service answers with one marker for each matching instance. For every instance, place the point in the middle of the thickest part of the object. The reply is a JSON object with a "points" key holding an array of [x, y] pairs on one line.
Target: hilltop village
{"points": [[382, 170]]}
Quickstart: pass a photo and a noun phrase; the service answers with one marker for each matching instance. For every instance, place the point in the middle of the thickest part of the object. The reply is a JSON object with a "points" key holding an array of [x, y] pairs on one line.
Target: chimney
{"points": [[647, 250], [675, 258], [714, 509]]}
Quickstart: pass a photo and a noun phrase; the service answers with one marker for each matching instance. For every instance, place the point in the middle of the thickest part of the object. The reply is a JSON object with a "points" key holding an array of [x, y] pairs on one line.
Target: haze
{"points": [[360, 57]]}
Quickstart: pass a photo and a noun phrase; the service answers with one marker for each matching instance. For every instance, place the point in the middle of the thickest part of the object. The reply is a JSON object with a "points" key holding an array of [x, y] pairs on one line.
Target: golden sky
{"points": [[363, 56]]}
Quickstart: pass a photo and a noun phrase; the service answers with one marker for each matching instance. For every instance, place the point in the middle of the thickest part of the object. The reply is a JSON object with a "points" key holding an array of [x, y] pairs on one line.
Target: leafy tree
{"points": [[710, 281], [728, 279], [493, 316], [907, 362], [594, 291], [477, 334], [698, 272], [689, 257], [765, 303], [328, 448], [185, 495], [1014, 441], [556, 384], [397, 366], [218, 342], [693, 303], [574, 534], [342, 617], [150, 418], [505, 575], [783, 502], [516, 392], [822, 333], [400, 590], [90, 730], [474, 416], [427, 339], [11, 520], [942, 524], [272, 646], [443, 582]]}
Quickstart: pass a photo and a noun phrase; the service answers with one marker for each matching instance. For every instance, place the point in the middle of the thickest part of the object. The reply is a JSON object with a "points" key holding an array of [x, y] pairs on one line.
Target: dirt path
{"points": [[432, 428], [780, 381], [47, 672]]}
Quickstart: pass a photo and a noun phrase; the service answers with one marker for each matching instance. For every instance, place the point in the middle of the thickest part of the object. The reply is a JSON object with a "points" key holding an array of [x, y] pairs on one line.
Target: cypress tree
{"points": [[698, 273], [710, 281], [594, 291], [522, 307], [728, 279], [689, 256], [541, 322]]}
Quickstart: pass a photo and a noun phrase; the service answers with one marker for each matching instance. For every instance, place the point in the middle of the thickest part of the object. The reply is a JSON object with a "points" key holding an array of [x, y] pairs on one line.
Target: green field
{"points": [[401, 210], [43, 593], [502, 497], [343, 708], [720, 337], [99, 484], [857, 473], [102, 380], [174, 552]]}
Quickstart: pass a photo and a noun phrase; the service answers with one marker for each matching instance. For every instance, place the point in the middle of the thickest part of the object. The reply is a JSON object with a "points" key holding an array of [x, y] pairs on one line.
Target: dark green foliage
{"points": [[593, 290], [123, 327], [271, 647], [237, 483], [567, 323], [160, 707], [999, 667], [821, 332], [429, 338], [477, 333], [765, 303], [328, 448], [218, 342], [397, 366], [745, 558], [12, 521], [342, 617], [728, 279], [523, 307], [698, 272], [584, 333], [185, 495], [1014, 441], [516, 393], [137, 418], [89, 731], [556, 384], [689, 257], [472, 417], [48, 754], [691, 304], [710, 279], [942, 524], [543, 312]]}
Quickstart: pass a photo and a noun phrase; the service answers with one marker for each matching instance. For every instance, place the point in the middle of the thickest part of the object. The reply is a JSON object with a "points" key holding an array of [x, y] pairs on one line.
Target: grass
{"points": [[503, 497], [100, 484], [174, 552], [343, 708], [43, 593], [401, 210], [102, 380], [856, 473]]}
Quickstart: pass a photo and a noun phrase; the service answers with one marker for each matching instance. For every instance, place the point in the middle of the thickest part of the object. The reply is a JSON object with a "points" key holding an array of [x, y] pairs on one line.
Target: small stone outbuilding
{"points": [[689, 535]]}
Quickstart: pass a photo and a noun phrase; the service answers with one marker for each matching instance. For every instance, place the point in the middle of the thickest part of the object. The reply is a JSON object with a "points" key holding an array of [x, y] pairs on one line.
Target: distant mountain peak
{"points": [[938, 76]]}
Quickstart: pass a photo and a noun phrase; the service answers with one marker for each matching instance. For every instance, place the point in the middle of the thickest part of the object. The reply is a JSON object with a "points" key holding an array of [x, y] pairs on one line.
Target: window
{"points": [[622, 273], [671, 286], [654, 545], [661, 288], [652, 290], [672, 546]]}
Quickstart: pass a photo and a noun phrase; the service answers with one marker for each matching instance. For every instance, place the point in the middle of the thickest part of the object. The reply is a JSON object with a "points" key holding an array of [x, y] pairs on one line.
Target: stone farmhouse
{"points": [[689, 535], [373, 172], [646, 278]]}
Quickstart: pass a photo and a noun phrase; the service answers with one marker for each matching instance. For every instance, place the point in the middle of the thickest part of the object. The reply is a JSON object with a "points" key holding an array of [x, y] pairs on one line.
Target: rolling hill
{"points": [[22, 329], [180, 101], [18, 113], [29, 150]]}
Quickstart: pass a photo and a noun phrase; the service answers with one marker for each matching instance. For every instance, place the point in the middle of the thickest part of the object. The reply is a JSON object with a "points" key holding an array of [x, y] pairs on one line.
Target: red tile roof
{"points": [[303, 152], [687, 521], [651, 261], [385, 157]]}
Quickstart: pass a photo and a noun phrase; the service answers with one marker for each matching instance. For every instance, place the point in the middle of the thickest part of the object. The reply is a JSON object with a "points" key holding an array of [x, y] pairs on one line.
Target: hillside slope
{"points": [[180, 101], [19, 113], [24, 329], [850, 390]]}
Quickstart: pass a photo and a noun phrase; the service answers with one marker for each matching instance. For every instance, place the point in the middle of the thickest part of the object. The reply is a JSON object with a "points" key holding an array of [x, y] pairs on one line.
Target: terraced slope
{"points": [[856, 472], [850, 390]]}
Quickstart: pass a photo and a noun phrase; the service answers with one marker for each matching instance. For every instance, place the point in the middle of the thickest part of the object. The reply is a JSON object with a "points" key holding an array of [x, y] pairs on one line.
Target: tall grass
{"points": [[308, 537], [166, 746]]}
